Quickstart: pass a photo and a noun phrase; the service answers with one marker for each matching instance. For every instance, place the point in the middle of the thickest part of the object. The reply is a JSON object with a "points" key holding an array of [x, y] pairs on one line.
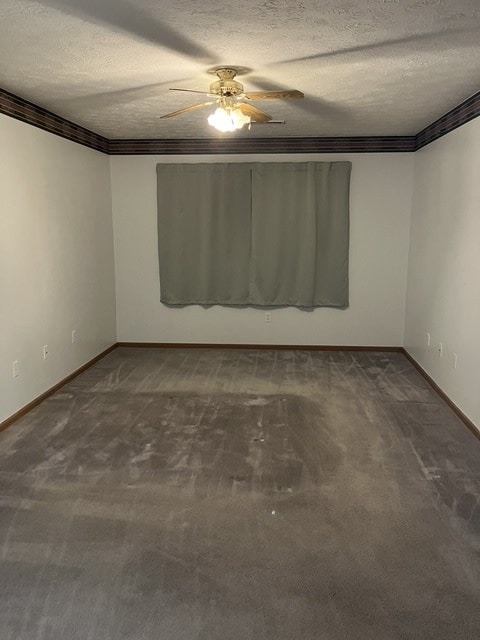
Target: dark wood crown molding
{"points": [[460, 115], [16, 107], [365, 144], [20, 109]]}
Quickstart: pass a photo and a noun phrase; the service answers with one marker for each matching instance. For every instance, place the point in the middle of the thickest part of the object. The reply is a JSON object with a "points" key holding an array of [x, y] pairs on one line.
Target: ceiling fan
{"points": [[232, 113]]}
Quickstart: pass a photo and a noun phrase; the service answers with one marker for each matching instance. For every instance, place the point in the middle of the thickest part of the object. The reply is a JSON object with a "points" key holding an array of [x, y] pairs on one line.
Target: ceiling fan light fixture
{"points": [[234, 109], [239, 118], [228, 120]]}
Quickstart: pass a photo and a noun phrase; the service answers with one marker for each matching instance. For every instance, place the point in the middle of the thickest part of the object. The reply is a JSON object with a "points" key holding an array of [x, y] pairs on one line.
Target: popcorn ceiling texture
{"points": [[367, 67]]}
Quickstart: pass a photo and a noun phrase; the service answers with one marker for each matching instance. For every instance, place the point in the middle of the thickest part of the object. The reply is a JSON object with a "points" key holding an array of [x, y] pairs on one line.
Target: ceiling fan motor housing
{"points": [[226, 85]]}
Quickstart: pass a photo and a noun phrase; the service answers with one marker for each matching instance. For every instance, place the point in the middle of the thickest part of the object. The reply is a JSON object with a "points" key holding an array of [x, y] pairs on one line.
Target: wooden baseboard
{"points": [[274, 347], [456, 410], [199, 345], [31, 405]]}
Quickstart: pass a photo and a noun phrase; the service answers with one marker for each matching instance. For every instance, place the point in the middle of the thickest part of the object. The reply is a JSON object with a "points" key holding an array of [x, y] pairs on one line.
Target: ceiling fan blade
{"points": [[136, 21], [273, 95], [205, 93], [311, 104], [186, 110], [255, 114]]}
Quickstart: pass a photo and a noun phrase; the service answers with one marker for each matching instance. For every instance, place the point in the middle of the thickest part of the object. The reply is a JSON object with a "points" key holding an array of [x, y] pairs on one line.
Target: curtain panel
{"points": [[254, 234]]}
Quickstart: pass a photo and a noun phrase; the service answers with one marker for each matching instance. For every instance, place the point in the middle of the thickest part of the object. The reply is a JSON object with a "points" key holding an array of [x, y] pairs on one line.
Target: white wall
{"points": [[380, 213], [57, 263], [444, 265], [56, 259]]}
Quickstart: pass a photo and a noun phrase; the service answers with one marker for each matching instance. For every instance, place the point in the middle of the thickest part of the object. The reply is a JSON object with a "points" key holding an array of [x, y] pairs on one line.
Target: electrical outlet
{"points": [[268, 317], [440, 349], [428, 339], [45, 351], [15, 369], [74, 336], [454, 361]]}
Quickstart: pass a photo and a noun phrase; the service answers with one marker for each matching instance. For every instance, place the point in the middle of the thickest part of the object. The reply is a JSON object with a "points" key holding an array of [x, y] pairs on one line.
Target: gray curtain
{"points": [[204, 233], [258, 234], [300, 234]]}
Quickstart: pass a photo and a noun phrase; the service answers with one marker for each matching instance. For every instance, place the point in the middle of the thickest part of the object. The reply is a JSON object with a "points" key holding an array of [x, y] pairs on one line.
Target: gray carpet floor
{"points": [[240, 495]]}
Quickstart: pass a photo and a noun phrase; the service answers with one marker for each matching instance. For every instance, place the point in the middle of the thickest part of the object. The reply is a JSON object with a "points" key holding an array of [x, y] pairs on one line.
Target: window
{"points": [[254, 234]]}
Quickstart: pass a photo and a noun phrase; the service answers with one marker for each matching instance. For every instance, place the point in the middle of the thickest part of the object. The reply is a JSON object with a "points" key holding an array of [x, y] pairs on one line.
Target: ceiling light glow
{"points": [[227, 120]]}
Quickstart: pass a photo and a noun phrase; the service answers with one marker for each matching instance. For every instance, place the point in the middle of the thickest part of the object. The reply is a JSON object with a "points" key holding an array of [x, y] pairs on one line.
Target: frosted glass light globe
{"points": [[228, 120]]}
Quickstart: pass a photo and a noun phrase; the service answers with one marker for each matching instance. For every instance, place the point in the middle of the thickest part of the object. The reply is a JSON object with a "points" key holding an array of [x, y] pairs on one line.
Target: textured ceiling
{"points": [[367, 67]]}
